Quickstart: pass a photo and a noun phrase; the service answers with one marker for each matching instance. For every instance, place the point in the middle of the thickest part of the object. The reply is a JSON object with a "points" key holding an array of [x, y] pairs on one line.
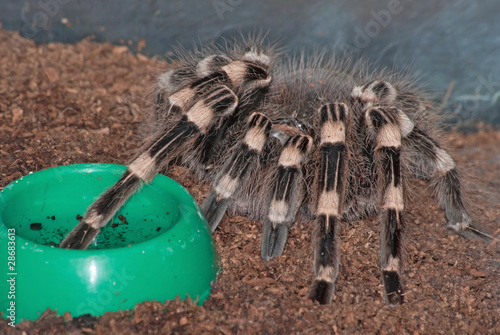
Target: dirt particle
{"points": [[67, 316], [17, 114], [183, 321], [36, 226], [52, 74], [122, 218]]}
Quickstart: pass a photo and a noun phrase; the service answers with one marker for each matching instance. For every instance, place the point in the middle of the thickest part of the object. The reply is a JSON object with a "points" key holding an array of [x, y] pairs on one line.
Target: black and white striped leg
{"points": [[376, 91], [288, 190], [330, 182], [234, 173], [252, 80], [433, 163], [216, 103], [387, 126]]}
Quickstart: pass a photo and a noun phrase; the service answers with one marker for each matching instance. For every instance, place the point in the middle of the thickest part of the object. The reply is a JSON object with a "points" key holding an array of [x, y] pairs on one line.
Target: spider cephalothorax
{"points": [[321, 139]]}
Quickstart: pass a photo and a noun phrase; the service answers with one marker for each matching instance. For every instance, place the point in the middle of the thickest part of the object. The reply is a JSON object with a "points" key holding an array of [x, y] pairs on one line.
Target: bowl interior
{"points": [[44, 207]]}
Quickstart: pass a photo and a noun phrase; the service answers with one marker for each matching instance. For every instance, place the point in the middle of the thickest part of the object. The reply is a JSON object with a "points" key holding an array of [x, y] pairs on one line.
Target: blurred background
{"points": [[454, 46]]}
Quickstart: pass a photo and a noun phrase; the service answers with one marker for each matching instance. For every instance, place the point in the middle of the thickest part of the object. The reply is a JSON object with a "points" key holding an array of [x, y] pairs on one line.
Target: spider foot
{"points": [[392, 288], [80, 237], [214, 209], [469, 230], [273, 240], [322, 291]]}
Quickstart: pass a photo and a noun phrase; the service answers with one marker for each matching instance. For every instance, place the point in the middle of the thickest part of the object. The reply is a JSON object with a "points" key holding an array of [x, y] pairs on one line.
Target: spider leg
{"points": [[219, 101], [388, 126], [234, 173], [330, 183], [167, 84], [428, 161], [251, 79], [176, 88], [288, 190]]}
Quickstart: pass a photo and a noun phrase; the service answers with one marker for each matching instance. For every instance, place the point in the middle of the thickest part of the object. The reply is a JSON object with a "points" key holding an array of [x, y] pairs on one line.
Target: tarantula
{"points": [[297, 139]]}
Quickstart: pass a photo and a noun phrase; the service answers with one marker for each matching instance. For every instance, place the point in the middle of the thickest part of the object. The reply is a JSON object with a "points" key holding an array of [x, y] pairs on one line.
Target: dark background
{"points": [[451, 44]]}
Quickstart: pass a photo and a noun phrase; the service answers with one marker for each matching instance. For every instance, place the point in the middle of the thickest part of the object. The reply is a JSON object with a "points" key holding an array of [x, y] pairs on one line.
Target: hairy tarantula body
{"points": [[323, 139]]}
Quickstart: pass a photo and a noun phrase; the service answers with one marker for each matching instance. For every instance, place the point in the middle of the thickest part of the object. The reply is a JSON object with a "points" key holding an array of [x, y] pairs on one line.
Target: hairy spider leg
{"points": [[288, 193], [430, 162], [234, 173], [386, 127], [218, 102], [330, 184]]}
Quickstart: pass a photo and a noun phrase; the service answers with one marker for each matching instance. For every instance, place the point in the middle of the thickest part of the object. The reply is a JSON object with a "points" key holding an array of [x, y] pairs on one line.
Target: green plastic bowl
{"points": [[158, 246]]}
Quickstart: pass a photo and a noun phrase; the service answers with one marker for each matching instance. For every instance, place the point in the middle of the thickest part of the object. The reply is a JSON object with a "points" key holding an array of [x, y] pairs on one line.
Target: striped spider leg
{"points": [[330, 185], [427, 160], [388, 126], [216, 103], [287, 195], [235, 171], [212, 95], [430, 162]]}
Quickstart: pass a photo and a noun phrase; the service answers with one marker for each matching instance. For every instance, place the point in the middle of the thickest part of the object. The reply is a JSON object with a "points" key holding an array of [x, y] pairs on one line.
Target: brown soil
{"points": [[65, 104]]}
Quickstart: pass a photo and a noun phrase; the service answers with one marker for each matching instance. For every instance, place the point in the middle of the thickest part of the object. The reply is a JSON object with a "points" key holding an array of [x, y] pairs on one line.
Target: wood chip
{"points": [[17, 114], [52, 74]]}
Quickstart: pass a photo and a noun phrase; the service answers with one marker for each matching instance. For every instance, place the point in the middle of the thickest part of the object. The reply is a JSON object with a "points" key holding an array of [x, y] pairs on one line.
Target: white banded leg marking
{"points": [[278, 211], [143, 167], [326, 273], [375, 91], [392, 264], [255, 138], [388, 136], [182, 98], [444, 162], [211, 64], [290, 156], [258, 130], [226, 186], [332, 132], [393, 198], [328, 203], [255, 56], [219, 102], [241, 72]]}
